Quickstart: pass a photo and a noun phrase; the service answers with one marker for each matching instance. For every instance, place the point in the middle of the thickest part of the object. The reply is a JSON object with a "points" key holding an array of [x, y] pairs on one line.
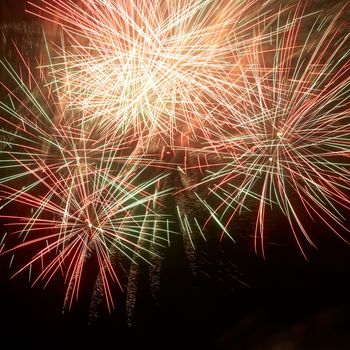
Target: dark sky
{"points": [[290, 303], [12, 11]]}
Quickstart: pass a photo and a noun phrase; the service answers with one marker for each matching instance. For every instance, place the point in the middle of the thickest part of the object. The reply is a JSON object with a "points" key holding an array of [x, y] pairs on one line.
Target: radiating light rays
{"points": [[69, 193], [160, 69], [40, 141], [221, 95], [291, 150], [99, 215]]}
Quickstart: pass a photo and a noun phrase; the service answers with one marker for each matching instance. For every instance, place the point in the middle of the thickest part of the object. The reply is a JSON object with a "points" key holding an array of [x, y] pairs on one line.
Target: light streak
{"points": [[291, 146]]}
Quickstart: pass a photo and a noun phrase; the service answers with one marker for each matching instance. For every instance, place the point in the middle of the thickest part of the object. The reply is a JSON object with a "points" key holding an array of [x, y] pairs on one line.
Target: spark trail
{"points": [[79, 194], [290, 148], [159, 69]]}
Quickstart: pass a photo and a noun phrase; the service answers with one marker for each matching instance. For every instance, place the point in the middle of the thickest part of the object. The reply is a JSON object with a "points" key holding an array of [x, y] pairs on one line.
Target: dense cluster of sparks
{"points": [[80, 194], [226, 94], [290, 148]]}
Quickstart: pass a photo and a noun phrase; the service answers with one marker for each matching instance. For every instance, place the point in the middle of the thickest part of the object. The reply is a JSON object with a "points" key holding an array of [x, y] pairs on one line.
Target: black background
{"points": [[288, 303]]}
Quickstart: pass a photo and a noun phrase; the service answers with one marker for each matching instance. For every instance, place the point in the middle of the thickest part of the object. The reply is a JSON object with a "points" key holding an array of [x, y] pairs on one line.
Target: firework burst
{"points": [[222, 94], [162, 69], [100, 215], [290, 147], [78, 194]]}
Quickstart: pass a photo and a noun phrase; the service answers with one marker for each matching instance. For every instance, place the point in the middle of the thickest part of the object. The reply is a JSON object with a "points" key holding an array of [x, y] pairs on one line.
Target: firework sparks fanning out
{"points": [[96, 215], [159, 68], [291, 149], [81, 194], [225, 95]]}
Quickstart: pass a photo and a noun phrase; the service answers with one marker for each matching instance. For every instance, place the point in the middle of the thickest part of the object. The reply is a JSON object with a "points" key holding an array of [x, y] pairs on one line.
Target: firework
{"points": [[76, 194], [162, 69], [99, 215], [40, 138], [290, 147], [219, 94]]}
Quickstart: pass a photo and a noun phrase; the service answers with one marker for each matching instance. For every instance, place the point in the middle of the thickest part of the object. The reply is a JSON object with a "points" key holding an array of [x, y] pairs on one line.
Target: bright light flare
{"points": [[290, 148], [162, 69]]}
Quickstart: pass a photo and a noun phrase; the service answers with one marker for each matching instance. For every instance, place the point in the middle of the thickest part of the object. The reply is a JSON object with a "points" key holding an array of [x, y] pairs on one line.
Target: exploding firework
{"points": [[215, 93], [290, 148], [162, 69], [76, 194]]}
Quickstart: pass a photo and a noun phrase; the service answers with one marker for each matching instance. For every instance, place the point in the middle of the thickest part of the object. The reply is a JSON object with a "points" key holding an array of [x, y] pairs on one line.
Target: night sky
{"points": [[238, 300]]}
